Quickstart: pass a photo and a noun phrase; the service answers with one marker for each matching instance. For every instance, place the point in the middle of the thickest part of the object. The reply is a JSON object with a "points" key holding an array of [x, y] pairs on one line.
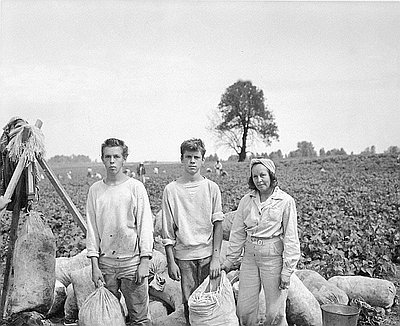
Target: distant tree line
{"points": [[306, 149], [63, 159]]}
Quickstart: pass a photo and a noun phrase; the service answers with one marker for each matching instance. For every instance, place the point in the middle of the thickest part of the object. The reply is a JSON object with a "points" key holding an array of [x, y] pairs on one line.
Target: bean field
{"points": [[348, 210]]}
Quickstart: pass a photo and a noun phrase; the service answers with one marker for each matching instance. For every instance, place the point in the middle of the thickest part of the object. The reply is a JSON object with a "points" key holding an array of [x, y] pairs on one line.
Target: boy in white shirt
{"points": [[120, 232], [192, 223]]}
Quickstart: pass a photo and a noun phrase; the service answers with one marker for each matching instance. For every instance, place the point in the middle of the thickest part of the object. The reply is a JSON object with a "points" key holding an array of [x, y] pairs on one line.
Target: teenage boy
{"points": [[120, 232], [192, 223]]}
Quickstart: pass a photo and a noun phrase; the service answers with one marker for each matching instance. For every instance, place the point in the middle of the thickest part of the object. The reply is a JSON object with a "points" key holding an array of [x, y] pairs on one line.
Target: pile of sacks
{"points": [[307, 292], [74, 285]]}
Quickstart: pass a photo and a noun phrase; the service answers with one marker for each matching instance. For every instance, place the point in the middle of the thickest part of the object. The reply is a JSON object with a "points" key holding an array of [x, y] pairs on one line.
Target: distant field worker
{"points": [[3, 202], [218, 167], [155, 170], [89, 173], [192, 223], [119, 238], [141, 172], [266, 227]]}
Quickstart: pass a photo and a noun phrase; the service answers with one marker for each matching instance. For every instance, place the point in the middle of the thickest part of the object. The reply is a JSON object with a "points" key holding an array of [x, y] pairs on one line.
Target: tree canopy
{"points": [[244, 118], [304, 149]]}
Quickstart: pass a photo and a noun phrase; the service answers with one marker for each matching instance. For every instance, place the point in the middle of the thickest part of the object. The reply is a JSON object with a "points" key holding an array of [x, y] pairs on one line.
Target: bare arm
{"points": [[173, 269], [97, 276], [215, 268]]}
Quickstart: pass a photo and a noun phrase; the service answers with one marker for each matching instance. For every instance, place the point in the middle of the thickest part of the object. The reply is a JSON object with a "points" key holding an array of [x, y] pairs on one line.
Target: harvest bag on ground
{"points": [[101, 308], [215, 308], [34, 267]]}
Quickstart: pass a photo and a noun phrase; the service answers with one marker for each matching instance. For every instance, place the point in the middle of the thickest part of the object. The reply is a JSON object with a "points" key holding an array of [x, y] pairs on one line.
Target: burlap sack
{"points": [[34, 267]]}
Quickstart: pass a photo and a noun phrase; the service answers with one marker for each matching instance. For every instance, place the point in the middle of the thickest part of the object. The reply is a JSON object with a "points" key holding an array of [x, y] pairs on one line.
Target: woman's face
{"points": [[261, 178]]}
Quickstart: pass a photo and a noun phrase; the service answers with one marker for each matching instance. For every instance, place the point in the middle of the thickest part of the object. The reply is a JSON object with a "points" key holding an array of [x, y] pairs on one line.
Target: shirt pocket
{"points": [[273, 214], [252, 217]]}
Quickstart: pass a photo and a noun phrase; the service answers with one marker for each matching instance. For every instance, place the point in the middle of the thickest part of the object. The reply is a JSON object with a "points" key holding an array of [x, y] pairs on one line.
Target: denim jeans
{"points": [[262, 266], [136, 295], [193, 273]]}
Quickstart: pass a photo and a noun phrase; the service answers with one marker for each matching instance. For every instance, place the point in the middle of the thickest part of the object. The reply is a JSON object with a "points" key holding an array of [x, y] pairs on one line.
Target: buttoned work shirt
{"points": [[275, 217]]}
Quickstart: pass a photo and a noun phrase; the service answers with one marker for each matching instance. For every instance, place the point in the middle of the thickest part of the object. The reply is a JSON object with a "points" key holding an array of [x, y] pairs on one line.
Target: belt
{"points": [[263, 241]]}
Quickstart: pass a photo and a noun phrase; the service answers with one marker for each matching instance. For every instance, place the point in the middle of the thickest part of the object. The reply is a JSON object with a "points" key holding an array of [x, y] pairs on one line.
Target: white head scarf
{"points": [[264, 161]]}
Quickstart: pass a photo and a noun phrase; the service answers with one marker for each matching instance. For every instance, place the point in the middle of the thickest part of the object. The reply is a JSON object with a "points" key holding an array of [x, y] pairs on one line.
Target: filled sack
{"points": [[60, 295], [325, 292], [302, 308], [213, 307], [71, 306], [170, 293], [227, 224], [101, 308], [157, 310], [374, 291], [157, 267], [34, 267], [176, 318], [66, 265], [82, 284]]}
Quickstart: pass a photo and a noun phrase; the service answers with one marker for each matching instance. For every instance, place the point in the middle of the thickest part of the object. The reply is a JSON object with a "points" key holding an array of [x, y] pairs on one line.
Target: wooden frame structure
{"points": [[15, 185]]}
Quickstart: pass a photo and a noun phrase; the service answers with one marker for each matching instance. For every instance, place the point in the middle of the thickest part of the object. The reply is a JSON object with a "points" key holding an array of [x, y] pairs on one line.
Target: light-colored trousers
{"points": [[121, 276], [193, 273], [262, 266]]}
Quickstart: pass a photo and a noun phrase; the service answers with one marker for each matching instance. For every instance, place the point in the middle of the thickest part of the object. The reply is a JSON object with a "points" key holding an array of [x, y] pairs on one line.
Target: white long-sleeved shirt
{"points": [[275, 217], [188, 213], [119, 221]]}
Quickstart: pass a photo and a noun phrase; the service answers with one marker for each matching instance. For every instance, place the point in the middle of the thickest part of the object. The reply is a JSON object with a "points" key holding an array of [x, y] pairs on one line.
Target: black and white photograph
{"points": [[203, 163]]}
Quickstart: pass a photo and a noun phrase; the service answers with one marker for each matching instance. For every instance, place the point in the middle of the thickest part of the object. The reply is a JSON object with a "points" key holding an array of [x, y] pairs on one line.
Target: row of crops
{"points": [[348, 208]]}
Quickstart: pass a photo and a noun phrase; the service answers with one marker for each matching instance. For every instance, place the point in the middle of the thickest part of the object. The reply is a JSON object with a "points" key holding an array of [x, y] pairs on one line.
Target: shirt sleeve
{"points": [[168, 224], [217, 214], [237, 238], [291, 243], [144, 222], [92, 235]]}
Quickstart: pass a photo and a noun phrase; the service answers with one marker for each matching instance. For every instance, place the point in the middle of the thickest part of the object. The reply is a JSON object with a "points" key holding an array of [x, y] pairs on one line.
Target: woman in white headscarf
{"points": [[266, 227]]}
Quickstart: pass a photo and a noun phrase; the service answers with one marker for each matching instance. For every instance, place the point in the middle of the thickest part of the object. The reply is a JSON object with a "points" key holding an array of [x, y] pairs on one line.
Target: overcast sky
{"points": [[152, 72]]}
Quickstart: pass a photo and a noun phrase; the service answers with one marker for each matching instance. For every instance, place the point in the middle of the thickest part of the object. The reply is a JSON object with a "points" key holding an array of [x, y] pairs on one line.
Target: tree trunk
{"points": [[242, 154]]}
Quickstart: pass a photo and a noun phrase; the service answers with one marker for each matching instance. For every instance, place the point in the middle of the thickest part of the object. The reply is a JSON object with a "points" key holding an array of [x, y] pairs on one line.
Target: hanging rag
{"points": [[12, 147]]}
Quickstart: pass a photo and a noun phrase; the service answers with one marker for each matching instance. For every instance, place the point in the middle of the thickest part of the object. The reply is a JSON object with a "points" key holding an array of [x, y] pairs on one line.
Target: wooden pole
{"points": [[19, 168], [14, 184], [63, 194], [10, 252]]}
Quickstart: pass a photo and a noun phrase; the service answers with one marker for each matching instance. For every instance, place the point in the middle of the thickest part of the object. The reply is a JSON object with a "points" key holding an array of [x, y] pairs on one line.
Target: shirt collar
{"points": [[277, 194]]}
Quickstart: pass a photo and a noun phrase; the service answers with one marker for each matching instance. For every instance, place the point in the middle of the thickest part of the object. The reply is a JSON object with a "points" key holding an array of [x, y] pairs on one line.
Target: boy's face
{"points": [[192, 162], [113, 160]]}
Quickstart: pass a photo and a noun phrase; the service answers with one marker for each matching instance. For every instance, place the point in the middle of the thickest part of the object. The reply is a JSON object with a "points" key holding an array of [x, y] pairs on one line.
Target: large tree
{"points": [[244, 118]]}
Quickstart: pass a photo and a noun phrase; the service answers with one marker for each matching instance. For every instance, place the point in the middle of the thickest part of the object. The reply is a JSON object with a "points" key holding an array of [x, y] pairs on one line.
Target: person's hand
{"points": [[174, 272], [143, 270], [4, 202], [285, 282], [225, 268], [97, 277], [215, 268]]}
